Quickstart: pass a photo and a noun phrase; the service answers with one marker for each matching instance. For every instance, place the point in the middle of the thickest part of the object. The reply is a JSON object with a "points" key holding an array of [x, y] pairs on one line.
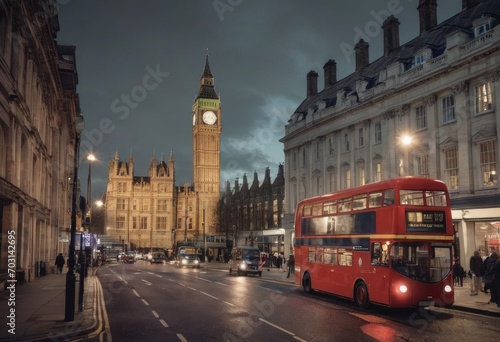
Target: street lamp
{"points": [[69, 309], [406, 140]]}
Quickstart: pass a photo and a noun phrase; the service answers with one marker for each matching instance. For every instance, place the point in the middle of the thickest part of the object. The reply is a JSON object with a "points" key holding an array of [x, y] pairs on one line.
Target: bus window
{"points": [[411, 197], [306, 211], [375, 200], [330, 256], [436, 198], [389, 197], [330, 207], [379, 254], [317, 209], [359, 202], [345, 205], [345, 258]]}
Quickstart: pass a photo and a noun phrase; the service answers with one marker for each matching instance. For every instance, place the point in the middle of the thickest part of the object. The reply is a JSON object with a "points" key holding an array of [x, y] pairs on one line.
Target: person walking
{"points": [[475, 264], [458, 274], [487, 263], [59, 263], [492, 276], [291, 265]]}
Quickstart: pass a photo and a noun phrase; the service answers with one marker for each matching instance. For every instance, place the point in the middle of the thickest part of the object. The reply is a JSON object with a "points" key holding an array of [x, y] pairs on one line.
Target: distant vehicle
{"points": [[188, 260], [245, 260], [157, 258], [129, 258]]}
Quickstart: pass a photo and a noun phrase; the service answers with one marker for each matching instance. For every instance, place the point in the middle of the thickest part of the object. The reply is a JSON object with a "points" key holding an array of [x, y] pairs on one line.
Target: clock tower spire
{"points": [[206, 137]]}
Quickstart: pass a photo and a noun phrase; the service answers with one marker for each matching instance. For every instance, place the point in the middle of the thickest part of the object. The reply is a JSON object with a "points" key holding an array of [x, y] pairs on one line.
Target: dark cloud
{"points": [[260, 53]]}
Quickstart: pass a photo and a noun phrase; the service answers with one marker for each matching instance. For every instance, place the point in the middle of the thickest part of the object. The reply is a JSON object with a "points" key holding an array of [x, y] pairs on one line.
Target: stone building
{"points": [[151, 210], [38, 107], [252, 214], [440, 90]]}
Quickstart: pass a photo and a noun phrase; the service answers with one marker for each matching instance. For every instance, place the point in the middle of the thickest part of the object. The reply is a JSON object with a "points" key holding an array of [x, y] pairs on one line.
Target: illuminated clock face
{"points": [[194, 119], [209, 117]]}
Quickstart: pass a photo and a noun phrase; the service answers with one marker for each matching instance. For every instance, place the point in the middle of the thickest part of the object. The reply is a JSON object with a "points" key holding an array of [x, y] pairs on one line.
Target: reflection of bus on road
{"points": [[388, 243]]}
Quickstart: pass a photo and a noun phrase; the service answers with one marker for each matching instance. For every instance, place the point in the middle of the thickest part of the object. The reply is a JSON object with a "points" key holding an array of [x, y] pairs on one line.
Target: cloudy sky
{"points": [[139, 65]]}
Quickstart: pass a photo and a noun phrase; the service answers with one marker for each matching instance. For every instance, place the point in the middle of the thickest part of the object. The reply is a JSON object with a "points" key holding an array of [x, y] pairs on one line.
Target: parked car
{"points": [[157, 258], [188, 260]]}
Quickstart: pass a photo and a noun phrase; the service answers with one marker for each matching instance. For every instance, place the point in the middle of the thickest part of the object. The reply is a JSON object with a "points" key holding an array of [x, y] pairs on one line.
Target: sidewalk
{"points": [[40, 307], [40, 310]]}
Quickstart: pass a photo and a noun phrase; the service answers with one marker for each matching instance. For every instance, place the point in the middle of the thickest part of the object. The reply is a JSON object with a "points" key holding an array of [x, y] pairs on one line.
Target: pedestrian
{"points": [[475, 264], [60, 263], [291, 265], [458, 274], [488, 276], [494, 273], [279, 261]]}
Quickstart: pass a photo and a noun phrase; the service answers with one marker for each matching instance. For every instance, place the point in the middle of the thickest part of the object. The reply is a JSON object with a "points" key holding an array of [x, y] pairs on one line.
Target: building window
{"points": [[448, 109], [421, 118], [317, 150], [161, 205], [294, 161], [361, 137], [347, 183], [378, 172], [378, 132], [134, 222], [346, 142], [120, 204], [483, 98], [451, 167], [120, 222], [330, 145], [361, 175], [122, 187], [423, 165], [488, 161], [332, 182], [190, 223], [161, 223], [134, 205], [179, 223], [144, 223], [481, 29], [145, 205], [304, 156]]}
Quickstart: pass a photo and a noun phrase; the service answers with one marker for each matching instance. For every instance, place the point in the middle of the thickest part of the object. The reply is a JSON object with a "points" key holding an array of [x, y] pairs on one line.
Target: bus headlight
{"points": [[403, 288], [243, 266], [447, 288]]}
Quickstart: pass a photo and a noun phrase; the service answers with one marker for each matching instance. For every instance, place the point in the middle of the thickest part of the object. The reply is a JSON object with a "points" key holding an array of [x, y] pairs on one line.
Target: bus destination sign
{"points": [[425, 221]]}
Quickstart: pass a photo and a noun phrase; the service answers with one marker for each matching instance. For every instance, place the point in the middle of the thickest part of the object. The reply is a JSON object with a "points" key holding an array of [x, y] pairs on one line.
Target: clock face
{"points": [[209, 117], [194, 119]]}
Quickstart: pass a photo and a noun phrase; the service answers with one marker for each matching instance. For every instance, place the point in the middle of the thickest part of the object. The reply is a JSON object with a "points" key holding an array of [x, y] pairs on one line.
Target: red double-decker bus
{"points": [[388, 243]]}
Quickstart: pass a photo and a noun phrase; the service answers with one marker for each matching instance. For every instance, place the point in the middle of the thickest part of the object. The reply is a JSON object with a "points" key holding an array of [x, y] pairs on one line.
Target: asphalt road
{"points": [[161, 302]]}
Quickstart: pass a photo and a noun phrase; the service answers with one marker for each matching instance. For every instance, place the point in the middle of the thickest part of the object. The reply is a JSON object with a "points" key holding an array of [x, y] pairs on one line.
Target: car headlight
{"points": [[184, 261], [197, 261], [243, 266]]}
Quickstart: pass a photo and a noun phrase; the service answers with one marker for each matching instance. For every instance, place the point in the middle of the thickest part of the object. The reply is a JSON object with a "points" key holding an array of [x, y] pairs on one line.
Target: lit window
{"points": [[483, 98], [488, 161], [451, 167]]}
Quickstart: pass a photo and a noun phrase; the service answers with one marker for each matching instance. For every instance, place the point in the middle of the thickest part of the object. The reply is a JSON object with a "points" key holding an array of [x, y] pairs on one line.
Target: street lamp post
{"points": [[69, 309], [406, 141], [204, 239]]}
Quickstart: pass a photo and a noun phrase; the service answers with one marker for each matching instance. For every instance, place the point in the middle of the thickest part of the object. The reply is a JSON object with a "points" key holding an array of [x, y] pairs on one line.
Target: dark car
{"points": [[188, 260], [157, 258]]}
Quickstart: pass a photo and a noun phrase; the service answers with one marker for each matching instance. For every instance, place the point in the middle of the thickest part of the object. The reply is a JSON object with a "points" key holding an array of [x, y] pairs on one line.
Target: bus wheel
{"points": [[306, 283], [361, 295]]}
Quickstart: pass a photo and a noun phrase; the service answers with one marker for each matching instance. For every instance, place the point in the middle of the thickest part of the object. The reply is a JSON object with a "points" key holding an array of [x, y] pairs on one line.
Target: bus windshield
{"points": [[422, 261]]}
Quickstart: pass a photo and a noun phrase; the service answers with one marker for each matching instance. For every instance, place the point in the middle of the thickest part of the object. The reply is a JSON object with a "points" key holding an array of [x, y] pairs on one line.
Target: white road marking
{"points": [[155, 314], [280, 328], [181, 338], [230, 304], [145, 302], [221, 283], [191, 288], [137, 294], [206, 294], [207, 280], [163, 323]]}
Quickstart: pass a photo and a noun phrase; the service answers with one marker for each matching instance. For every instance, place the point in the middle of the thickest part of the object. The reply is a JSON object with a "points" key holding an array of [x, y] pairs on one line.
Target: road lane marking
{"points": [[191, 288], [280, 328], [147, 282], [216, 282], [209, 295], [155, 314], [230, 304], [163, 323], [145, 302], [207, 280], [181, 338], [137, 294]]}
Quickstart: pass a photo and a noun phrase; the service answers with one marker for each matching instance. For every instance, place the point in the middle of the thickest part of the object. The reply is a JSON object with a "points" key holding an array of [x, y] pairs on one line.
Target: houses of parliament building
{"points": [[151, 210]]}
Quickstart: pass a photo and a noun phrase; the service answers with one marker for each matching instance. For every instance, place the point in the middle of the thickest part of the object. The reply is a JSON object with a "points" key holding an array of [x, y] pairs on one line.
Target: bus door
{"points": [[379, 278]]}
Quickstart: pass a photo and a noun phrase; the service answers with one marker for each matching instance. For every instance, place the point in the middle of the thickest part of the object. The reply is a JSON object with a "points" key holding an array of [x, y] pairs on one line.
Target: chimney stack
{"points": [[391, 34], [427, 12], [362, 57], [330, 72], [466, 4], [312, 83]]}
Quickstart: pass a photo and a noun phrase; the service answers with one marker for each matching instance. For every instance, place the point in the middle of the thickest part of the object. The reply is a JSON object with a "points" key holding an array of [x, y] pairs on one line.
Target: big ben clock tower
{"points": [[206, 140]]}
